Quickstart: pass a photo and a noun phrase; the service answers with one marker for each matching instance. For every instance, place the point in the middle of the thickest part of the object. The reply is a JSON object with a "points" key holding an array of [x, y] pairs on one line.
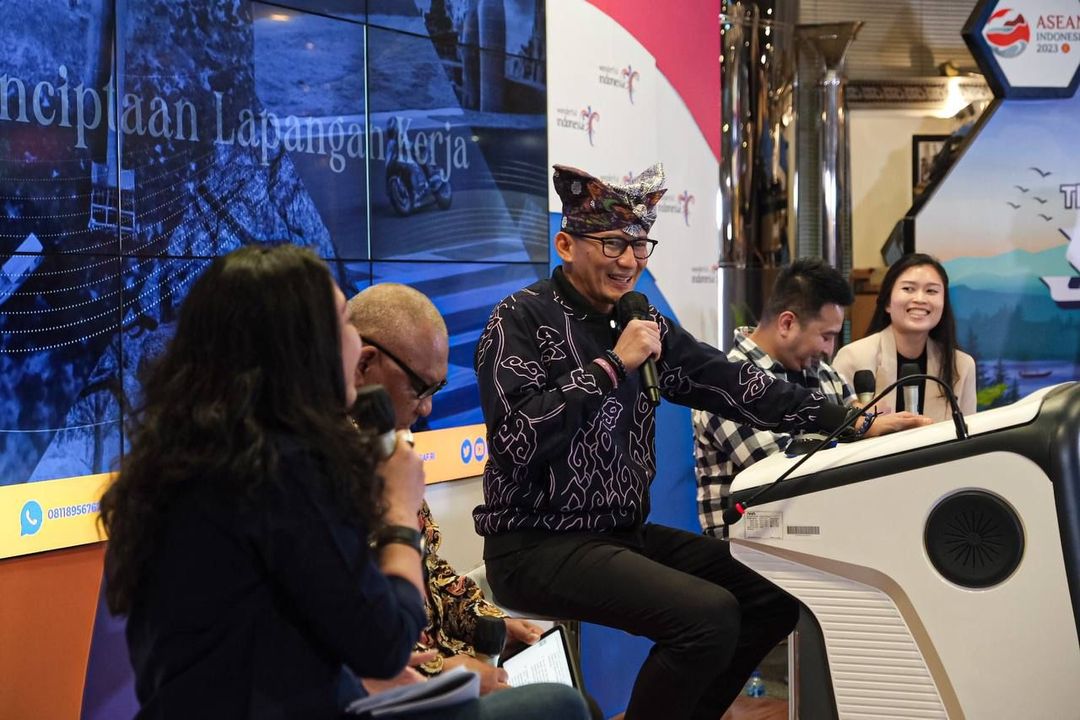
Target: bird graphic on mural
{"points": [[1014, 206], [1041, 201], [1042, 173], [1047, 218], [1021, 188]]}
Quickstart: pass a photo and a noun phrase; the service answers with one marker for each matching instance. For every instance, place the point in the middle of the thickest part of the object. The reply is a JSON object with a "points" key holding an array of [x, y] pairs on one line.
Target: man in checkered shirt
{"points": [[798, 330]]}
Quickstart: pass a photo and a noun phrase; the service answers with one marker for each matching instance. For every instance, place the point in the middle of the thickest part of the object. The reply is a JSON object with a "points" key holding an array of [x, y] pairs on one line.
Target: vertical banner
{"points": [[613, 112], [634, 83], [603, 97]]}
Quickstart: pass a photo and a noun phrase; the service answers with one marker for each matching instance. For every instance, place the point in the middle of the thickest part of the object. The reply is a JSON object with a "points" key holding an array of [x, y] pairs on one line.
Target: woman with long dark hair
{"points": [[913, 323], [240, 520]]}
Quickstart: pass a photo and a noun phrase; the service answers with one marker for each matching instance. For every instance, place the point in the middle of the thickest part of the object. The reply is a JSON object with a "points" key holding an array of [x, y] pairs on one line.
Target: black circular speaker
{"points": [[974, 539]]}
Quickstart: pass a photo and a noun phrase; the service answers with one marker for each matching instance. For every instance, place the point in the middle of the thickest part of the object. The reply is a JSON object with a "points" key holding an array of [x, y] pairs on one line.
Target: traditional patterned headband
{"points": [[591, 205]]}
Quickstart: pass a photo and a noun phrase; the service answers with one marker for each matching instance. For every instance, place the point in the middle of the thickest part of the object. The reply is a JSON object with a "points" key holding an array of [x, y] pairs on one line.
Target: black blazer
{"points": [[251, 608]]}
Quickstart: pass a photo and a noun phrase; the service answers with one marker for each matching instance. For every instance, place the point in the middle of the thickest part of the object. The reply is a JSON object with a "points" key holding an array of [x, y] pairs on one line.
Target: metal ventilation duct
{"points": [[823, 162], [757, 73]]}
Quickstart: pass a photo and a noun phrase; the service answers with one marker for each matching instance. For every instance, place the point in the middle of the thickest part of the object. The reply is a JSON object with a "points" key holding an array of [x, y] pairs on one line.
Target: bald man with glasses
{"points": [[406, 350], [421, 388], [406, 347]]}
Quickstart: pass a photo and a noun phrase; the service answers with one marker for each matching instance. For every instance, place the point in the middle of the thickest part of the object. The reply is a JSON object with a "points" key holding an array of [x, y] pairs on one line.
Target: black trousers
{"points": [[712, 618]]}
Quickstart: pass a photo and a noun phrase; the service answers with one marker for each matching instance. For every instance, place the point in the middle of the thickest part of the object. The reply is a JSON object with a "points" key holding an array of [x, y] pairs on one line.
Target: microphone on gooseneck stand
{"points": [[374, 411], [864, 385], [910, 377], [909, 373], [635, 306], [734, 513]]}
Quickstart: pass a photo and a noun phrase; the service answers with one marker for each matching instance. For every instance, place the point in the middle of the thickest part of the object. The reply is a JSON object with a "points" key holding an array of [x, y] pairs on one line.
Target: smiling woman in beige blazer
{"points": [[914, 316]]}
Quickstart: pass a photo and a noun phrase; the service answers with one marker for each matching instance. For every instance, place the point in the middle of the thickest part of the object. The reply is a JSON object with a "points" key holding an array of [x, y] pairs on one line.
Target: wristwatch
{"points": [[398, 534]]}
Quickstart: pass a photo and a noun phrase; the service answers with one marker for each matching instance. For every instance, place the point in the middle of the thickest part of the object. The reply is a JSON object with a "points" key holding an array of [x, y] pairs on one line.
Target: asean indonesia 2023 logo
{"points": [[1007, 33]]}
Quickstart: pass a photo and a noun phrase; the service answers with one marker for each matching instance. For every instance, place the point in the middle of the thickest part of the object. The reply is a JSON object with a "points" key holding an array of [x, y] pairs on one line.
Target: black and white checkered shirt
{"points": [[722, 447]]}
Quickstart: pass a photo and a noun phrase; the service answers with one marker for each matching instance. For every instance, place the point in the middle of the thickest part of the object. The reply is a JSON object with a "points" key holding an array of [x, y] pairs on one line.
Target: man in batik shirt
{"points": [[570, 437]]}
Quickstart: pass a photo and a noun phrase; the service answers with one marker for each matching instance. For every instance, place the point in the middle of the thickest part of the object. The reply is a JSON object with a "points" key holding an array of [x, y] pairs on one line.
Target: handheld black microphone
{"points": [[909, 378], [489, 636], [635, 306], [864, 385], [374, 411], [732, 514]]}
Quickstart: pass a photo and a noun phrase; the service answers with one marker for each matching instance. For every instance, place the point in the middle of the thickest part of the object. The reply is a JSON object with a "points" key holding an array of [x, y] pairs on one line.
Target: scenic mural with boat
{"points": [[1011, 246]]}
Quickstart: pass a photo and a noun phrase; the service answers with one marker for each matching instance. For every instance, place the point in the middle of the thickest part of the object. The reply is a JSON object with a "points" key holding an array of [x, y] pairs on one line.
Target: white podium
{"points": [[944, 574]]}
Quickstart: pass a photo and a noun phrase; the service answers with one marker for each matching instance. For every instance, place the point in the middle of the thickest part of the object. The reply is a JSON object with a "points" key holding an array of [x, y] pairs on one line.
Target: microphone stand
{"points": [[954, 407], [733, 514]]}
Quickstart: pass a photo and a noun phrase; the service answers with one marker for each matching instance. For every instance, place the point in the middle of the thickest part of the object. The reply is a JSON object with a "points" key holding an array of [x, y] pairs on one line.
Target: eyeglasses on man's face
{"points": [[420, 386], [614, 247]]}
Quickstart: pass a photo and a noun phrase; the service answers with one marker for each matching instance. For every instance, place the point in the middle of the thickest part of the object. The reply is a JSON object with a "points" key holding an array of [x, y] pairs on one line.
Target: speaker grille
{"points": [[974, 539]]}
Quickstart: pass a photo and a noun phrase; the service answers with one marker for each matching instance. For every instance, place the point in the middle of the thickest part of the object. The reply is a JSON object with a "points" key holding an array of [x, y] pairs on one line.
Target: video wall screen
{"points": [[401, 140]]}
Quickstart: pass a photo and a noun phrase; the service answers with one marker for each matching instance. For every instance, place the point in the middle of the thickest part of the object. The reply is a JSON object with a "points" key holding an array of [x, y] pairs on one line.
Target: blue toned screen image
{"points": [[310, 83], [458, 153], [140, 140], [221, 165], [516, 27], [345, 9], [59, 361], [60, 275]]}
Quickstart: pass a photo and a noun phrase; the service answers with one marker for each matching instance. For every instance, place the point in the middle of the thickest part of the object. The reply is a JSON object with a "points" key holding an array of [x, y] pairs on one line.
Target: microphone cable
{"points": [[734, 513]]}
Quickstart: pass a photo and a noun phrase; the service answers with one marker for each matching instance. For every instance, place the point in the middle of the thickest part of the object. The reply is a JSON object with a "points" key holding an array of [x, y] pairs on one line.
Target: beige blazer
{"points": [[877, 352]]}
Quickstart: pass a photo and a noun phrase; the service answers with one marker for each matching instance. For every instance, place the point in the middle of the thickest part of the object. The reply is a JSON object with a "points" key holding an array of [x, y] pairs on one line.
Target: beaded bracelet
{"points": [[616, 362], [606, 367], [868, 420]]}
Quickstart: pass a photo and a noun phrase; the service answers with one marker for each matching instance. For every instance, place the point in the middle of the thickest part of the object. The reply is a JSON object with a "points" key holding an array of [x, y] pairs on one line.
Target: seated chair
{"points": [[479, 576]]}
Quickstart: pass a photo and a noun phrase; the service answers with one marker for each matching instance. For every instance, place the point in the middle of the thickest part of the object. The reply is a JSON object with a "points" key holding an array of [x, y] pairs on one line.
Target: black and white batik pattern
{"points": [[568, 451], [723, 447]]}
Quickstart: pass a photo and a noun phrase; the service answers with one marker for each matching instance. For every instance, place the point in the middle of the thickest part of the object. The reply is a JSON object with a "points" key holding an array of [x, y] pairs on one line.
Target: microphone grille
{"points": [[631, 305], [489, 636], [373, 409], [732, 514], [864, 381], [908, 369]]}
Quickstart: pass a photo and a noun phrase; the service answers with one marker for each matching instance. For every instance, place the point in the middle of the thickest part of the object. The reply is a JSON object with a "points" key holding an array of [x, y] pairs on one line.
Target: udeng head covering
{"points": [[591, 205]]}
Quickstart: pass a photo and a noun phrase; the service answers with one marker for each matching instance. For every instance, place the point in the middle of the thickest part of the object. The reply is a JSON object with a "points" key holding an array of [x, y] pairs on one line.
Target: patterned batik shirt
{"points": [[570, 451], [453, 603], [723, 447]]}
